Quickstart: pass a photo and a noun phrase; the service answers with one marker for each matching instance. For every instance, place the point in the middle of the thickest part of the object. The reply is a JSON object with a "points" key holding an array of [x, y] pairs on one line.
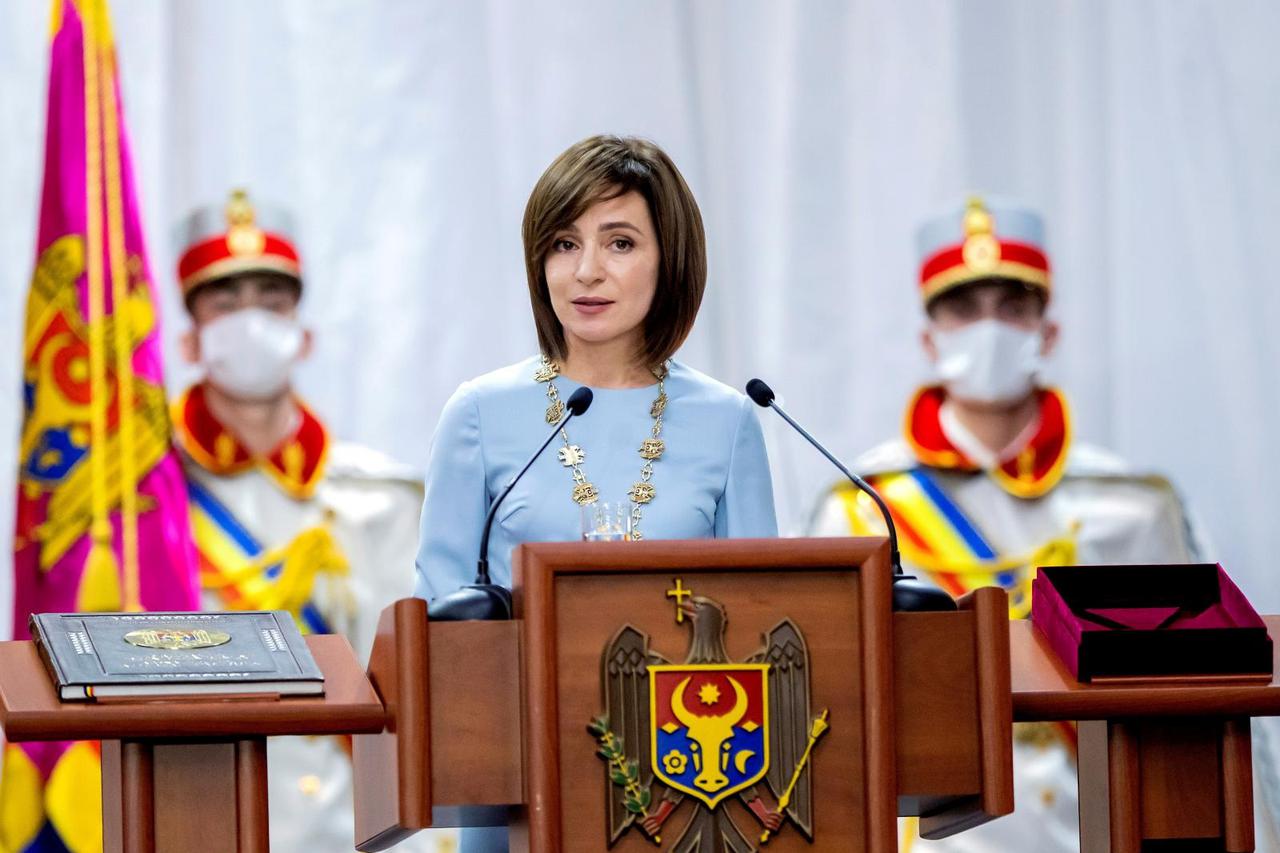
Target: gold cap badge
{"points": [[243, 236], [981, 250]]}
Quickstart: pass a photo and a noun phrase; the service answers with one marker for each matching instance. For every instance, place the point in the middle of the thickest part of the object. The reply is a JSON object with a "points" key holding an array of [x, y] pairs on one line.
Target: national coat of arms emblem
{"points": [[707, 730]]}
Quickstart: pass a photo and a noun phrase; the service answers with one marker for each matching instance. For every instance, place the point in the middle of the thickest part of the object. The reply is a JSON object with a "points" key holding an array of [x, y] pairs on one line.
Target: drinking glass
{"points": [[606, 521]]}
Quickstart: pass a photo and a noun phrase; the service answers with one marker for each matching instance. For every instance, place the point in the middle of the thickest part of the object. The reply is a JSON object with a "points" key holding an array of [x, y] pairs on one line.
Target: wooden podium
{"points": [[185, 774], [488, 722], [1163, 766]]}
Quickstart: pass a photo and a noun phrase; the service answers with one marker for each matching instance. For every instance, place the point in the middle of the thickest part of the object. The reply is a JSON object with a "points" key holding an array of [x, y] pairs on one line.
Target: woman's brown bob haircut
{"points": [[604, 167]]}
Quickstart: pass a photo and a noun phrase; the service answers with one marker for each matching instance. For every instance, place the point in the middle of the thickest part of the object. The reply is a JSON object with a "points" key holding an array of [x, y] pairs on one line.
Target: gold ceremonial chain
{"points": [[572, 455]]}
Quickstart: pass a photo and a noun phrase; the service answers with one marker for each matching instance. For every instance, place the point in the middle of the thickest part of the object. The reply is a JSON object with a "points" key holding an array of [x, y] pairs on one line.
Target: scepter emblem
{"points": [[819, 728]]}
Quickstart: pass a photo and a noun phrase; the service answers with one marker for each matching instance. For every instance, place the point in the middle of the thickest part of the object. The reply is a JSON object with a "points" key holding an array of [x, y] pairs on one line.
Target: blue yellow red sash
{"points": [[938, 538], [246, 576]]}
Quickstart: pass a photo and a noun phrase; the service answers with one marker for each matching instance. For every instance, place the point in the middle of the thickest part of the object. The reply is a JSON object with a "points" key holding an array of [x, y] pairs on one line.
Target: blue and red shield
{"points": [[709, 727]]}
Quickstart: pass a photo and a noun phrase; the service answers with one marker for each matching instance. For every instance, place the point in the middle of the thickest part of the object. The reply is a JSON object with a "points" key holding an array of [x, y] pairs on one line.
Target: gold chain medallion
{"points": [[572, 455]]}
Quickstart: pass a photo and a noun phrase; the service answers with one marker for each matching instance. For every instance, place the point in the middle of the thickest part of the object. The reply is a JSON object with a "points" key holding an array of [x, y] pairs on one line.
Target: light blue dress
{"points": [[712, 480]]}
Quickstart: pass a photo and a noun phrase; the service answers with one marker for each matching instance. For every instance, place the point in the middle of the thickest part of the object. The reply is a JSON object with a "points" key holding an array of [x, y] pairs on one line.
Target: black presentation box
{"points": [[1155, 621]]}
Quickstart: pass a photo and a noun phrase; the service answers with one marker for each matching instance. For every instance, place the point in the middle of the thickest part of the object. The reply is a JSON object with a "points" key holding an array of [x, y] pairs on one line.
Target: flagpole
{"points": [[101, 578], [121, 323]]}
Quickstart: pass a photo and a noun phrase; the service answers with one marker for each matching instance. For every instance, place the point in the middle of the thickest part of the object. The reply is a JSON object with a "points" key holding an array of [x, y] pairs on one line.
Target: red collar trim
{"points": [[1035, 470], [297, 464]]}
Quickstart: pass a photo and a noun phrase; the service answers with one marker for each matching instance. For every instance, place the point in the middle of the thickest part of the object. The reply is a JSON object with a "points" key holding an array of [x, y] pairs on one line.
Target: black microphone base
{"points": [[484, 602], [913, 596]]}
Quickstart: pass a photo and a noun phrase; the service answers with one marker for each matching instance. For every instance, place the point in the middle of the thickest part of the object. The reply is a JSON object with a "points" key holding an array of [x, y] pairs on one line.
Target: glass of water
{"points": [[606, 521]]}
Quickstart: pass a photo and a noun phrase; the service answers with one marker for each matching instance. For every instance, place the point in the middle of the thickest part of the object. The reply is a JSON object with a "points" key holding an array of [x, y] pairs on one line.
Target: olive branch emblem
{"points": [[623, 772]]}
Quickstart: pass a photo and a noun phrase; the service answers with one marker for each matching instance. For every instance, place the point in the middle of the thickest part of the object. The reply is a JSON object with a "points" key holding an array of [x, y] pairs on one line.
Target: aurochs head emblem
{"points": [[709, 729], [714, 728]]}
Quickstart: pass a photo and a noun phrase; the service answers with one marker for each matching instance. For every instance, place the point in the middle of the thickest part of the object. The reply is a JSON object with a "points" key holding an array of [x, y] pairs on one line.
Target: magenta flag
{"points": [[102, 519]]}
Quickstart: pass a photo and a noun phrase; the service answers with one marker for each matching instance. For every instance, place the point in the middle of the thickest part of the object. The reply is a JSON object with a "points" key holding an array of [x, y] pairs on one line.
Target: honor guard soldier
{"points": [[283, 517], [987, 481]]}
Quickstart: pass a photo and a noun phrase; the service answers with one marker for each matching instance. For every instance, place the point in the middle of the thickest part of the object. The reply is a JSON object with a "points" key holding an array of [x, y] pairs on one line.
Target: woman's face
{"points": [[602, 272]]}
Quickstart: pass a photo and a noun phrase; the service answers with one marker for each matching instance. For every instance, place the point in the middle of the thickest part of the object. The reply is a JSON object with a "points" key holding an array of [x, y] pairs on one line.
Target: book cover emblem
{"points": [[177, 639]]}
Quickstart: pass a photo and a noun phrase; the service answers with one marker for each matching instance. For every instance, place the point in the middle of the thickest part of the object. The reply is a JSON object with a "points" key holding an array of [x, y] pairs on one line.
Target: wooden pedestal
{"points": [[185, 774], [1152, 784], [184, 796], [1163, 766]]}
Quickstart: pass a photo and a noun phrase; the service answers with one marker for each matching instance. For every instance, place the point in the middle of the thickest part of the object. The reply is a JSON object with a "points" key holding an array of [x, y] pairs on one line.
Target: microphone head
{"points": [[481, 601], [759, 392], [579, 401]]}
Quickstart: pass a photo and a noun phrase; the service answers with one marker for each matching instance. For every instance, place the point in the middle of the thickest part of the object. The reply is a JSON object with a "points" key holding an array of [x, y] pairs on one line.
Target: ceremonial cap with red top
{"points": [[235, 238], [982, 241]]}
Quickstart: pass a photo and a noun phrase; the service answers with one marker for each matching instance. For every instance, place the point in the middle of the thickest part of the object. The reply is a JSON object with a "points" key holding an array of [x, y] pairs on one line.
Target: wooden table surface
{"points": [[30, 708], [1043, 689]]}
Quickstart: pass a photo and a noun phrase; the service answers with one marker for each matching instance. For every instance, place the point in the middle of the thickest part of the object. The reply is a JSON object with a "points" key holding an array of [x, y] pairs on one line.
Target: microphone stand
{"points": [[909, 593], [484, 599]]}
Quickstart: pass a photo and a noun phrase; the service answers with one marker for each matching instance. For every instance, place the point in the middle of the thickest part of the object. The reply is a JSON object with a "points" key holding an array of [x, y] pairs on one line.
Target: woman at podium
{"points": [[616, 263]]}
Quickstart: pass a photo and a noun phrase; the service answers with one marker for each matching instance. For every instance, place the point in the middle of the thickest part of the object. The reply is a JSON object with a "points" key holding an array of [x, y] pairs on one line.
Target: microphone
{"points": [[909, 594], [484, 599]]}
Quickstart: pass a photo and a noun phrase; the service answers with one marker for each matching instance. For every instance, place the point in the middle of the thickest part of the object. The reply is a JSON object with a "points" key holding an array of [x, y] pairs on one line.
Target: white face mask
{"points": [[250, 353], [989, 361]]}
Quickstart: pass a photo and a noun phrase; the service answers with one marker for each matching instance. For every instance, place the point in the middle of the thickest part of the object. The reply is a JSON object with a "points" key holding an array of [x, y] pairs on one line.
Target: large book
{"points": [[104, 655]]}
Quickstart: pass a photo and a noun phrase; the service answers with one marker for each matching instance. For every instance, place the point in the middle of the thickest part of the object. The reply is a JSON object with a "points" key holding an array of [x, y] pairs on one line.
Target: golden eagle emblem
{"points": [[706, 730]]}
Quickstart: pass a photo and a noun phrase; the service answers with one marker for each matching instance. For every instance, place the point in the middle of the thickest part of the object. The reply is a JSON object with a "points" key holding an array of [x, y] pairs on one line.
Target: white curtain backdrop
{"points": [[407, 135]]}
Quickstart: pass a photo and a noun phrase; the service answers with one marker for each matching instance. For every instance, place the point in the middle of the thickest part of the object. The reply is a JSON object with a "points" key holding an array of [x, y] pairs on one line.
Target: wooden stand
{"points": [[450, 754], [1163, 766], [951, 683], [185, 774], [487, 721]]}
